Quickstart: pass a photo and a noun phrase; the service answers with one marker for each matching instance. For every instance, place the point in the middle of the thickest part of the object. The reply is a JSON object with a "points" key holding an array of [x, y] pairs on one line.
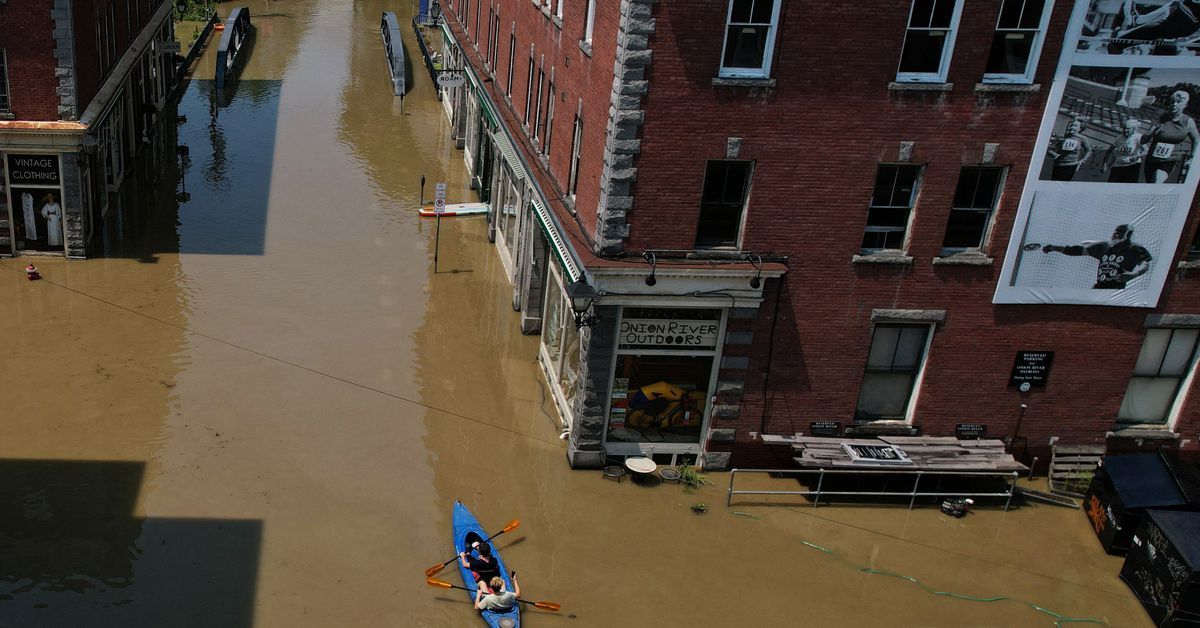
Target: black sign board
{"points": [[1032, 367], [970, 430], [33, 170], [825, 428]]}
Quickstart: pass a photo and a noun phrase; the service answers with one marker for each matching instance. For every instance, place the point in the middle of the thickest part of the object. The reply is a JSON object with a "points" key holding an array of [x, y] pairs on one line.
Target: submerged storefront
{"points": [[635, 367]]}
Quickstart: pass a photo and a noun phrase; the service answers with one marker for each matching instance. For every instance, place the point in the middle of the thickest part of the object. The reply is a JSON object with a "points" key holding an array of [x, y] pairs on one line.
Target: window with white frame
{"points": [[1162, 366], [512, 56], [549, 114], [1017, 42], [529, 87], [537, 115], [929, 40], [891, 207], [558, 9], [893, 364], [5, 105], [974, 203], [590, 24], [560, 337], [487, 57], [750, 27], [576, 140]]}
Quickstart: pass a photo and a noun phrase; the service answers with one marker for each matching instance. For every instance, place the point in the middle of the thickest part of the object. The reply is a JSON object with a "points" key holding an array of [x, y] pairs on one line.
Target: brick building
{"points": [[789, 212], [81, 85]]}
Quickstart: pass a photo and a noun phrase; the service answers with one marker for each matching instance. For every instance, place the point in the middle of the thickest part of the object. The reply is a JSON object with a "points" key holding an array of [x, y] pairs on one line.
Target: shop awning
{"points": [[557, 243], [509, 153]]}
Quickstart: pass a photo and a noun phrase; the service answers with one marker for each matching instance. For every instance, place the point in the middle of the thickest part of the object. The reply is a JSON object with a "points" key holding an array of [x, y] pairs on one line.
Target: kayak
{"points": [[456, 209], [465, 525]]}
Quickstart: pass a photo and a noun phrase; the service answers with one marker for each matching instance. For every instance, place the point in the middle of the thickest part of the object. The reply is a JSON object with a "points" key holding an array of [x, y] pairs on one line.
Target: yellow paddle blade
{"points": [[434, 582], [511, 524], [550, 606], [435, 570]]}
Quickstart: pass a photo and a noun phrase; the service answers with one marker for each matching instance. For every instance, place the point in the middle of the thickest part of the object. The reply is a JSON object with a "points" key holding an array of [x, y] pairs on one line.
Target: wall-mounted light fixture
{"points": [[756, 261], [653, 262], [582, 297]]}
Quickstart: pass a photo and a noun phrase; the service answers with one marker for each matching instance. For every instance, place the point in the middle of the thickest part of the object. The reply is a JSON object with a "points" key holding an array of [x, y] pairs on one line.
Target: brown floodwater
{"points": [[259, 406]]}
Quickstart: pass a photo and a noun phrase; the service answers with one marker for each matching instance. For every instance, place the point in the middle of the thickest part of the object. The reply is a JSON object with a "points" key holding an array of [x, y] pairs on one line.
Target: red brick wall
{"points": [[576, 76], [128, 22], [817, 138], [25, 35]]}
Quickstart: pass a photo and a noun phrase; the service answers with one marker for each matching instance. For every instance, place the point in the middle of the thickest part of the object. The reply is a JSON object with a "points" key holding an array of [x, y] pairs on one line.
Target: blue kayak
{"points": [[465, 524]]}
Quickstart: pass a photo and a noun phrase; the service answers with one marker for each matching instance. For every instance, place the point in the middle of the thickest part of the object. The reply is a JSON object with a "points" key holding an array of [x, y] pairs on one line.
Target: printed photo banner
{"points": [[1111, 180]]}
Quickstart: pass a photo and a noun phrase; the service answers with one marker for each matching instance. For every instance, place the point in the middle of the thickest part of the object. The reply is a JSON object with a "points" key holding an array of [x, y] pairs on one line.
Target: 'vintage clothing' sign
{"points": [[33, 169]]}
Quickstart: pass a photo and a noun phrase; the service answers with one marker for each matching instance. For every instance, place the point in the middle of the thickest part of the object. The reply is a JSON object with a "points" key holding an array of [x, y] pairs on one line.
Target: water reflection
{"points": [[69, 527]]}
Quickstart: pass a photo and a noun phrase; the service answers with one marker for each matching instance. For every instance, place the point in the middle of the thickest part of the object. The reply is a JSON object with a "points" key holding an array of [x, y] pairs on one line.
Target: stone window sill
{"points": [[1188, 264], [557, 21], [7, 115], [1007, 88], [546, 12], [722, 81], [963, 259], [894, 258], [920, 87], [586, 47], [1144, 432]]}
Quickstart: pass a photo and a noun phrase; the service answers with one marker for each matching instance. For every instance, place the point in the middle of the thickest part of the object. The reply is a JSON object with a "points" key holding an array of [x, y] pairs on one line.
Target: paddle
{"points": [[433, 582], [436, 569]]}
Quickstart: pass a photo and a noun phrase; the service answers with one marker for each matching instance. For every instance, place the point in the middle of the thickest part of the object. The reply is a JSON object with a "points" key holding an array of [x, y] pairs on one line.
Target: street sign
{"points": [[439, 198], [168, 47], [451, 79]]}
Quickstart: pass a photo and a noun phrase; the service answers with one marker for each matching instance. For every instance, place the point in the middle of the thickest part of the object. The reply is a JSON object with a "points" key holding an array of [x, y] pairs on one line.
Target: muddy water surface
{"points": [[258, 408]]}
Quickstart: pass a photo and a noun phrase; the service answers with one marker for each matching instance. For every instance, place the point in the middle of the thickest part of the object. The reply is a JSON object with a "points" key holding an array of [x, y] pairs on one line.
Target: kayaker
{"points": [[483, 567], [501, 599]]}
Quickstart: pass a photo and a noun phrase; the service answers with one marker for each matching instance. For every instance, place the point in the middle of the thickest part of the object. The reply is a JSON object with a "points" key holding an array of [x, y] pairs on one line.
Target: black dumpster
{"points": [[1163, 567], [1123, 487]]}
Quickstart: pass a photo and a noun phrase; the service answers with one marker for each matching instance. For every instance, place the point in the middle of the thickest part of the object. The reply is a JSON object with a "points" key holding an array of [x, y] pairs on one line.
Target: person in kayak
{"points": [[500, 599], [483, 567]]}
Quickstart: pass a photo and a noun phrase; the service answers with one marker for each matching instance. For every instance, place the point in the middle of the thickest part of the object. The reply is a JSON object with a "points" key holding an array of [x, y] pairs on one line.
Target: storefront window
{"points": [[560, 343], [35, 196], [506, 219], [663, 375]]}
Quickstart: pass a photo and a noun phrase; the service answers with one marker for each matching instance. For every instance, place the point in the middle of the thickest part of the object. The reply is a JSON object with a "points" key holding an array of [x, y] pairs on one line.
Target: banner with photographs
{"points": [[1111, 179]]}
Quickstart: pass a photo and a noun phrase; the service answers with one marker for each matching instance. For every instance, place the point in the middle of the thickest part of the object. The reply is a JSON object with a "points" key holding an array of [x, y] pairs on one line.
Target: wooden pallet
{"points": [[1049, 498], [1071, 465]]}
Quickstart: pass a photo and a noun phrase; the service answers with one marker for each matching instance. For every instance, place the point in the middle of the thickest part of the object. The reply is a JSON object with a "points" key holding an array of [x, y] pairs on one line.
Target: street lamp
{"points": [[582, 296]]}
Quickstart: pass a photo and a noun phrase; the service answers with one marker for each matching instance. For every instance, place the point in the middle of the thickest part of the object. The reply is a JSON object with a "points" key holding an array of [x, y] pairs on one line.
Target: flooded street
{"points": [[259, 407]]}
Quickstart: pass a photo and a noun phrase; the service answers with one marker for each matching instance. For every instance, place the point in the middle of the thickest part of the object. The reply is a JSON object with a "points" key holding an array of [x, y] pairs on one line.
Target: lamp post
{"points": [[582, 297]]}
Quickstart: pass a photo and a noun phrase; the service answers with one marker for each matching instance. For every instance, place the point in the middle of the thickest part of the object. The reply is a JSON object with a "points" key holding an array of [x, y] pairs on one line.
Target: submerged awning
{"points": [[557, 243], [500, 140]]}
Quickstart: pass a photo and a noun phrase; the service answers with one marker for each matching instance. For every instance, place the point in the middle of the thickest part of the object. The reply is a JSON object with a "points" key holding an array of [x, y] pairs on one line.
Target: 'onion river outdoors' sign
{"points": [[669, 333]]}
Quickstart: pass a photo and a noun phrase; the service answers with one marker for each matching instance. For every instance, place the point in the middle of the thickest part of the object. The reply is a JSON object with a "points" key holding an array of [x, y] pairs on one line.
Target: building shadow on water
{"points": [[73, 554]]}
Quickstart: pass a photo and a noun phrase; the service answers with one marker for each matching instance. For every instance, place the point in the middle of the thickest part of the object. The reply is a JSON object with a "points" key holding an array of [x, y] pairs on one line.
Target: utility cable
{"points": [[295, 365], [1059, 620]]}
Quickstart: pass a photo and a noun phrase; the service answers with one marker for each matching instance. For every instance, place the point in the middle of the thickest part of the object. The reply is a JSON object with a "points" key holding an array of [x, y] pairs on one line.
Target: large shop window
{"points": [[663, 374], [897, 352], [929, 40], [1018, 40], [35, 216], [1163, 364], [560, 339], [505, 208], [726, 187], [749, 38], [891, 204]]}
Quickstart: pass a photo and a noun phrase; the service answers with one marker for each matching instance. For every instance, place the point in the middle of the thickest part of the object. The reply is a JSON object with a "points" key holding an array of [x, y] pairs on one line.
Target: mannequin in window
{"points": [[52, 212], [27, 210]]}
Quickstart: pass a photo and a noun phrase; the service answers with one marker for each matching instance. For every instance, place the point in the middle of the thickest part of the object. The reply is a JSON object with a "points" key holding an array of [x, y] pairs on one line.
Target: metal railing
{"points": [[917, 475]]}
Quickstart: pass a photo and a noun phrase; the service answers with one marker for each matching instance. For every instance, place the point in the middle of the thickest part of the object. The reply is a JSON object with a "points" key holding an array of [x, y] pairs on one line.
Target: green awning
{"points": [[557, 243]]}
